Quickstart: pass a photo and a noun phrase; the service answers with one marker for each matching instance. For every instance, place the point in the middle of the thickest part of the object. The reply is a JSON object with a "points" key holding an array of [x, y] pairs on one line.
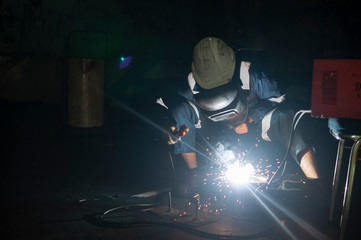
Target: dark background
{"points": [[41, 153]]}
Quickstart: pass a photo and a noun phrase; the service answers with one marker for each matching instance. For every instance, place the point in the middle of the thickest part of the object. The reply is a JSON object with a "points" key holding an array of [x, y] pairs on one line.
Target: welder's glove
{"points": [[243, 128]]}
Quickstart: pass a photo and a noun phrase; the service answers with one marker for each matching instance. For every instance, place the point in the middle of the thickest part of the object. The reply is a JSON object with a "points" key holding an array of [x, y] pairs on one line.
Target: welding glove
{"points": [[243, 128]]}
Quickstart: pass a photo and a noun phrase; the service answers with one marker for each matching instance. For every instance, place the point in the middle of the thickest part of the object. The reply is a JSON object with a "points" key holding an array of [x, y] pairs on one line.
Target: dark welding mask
{"points": [[226, 103]]}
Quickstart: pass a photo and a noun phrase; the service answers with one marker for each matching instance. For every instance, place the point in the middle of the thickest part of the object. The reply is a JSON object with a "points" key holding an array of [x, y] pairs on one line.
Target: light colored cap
{"points": [[213, 63]]}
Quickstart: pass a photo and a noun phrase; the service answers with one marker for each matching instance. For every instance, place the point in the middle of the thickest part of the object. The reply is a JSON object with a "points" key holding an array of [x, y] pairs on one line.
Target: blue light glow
{"points": [[125, 62]]}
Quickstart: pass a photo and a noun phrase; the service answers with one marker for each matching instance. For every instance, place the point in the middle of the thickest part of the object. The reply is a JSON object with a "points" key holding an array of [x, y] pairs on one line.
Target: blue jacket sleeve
{"points": [[183, 114], [262, 88]]}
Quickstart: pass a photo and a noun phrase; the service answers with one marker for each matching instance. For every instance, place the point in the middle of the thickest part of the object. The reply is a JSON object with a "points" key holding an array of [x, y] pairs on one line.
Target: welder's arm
{"points": [[258, 112], [190, 159], [263, 87]]}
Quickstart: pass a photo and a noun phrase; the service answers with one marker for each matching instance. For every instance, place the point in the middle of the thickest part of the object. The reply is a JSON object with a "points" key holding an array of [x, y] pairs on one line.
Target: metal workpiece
{"points": [[85, 92]]}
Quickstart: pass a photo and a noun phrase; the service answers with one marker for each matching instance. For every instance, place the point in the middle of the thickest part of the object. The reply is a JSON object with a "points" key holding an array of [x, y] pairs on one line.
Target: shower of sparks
{"points": [[239, 166], [230, 170], [238, 174]]}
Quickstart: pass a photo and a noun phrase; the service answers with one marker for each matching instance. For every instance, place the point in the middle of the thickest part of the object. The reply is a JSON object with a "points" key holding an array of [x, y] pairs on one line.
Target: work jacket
{"points": [[262, 93]]}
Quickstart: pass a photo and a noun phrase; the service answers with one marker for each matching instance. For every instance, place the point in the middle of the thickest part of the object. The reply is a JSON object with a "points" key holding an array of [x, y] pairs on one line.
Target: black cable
{"points": [[295, 122], [176, 225], [293, 128], [302, 112]]}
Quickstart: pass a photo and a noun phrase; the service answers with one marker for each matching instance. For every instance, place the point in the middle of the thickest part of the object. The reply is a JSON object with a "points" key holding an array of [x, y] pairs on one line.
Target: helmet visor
{"points": [[225, 103]]}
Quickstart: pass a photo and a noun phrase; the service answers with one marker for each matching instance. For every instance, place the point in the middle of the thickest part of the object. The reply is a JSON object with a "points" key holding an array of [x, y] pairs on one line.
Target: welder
{"points": [[223, 90]]}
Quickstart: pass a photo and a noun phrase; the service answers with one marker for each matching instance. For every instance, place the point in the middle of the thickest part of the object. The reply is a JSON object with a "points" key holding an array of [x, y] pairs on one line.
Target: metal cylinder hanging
{"points": [[85, 92]]}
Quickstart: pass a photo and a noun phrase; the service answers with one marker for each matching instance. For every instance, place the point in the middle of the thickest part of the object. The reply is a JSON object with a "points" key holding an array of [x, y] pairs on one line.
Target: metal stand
{"points": [[197, 202], [349, 179], [170, 208]]}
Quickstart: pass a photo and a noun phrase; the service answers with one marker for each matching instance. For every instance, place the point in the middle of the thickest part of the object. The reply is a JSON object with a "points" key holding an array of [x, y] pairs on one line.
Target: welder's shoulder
{"points": [[183, 109]]}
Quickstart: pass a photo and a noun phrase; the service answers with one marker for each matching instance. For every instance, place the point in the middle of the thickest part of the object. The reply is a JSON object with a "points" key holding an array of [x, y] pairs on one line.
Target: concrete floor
{"points": [[57, 181]]}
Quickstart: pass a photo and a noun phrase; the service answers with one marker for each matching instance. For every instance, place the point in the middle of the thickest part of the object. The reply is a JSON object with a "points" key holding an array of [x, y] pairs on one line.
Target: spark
{"points": [[239, 174], [231, 168]]}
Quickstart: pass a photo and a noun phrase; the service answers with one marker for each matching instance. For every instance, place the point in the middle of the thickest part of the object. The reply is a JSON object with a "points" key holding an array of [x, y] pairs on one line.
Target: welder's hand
{"points": [[171, 140], [177, 134], [182, 131], [243, 128]]}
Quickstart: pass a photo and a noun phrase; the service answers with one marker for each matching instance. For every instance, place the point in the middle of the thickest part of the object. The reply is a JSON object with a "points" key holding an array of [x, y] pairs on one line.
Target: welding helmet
{"points": [[219, 97], [213, 63], [226, 103]]}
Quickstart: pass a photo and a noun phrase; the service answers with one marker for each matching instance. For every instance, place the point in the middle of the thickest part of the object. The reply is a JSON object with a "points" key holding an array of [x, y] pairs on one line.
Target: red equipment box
{"points": [[336, 89]]}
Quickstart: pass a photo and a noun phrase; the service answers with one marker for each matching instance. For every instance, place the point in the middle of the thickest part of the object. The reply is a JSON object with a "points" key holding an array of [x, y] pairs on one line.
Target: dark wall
{"points": [[160, 36]]}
